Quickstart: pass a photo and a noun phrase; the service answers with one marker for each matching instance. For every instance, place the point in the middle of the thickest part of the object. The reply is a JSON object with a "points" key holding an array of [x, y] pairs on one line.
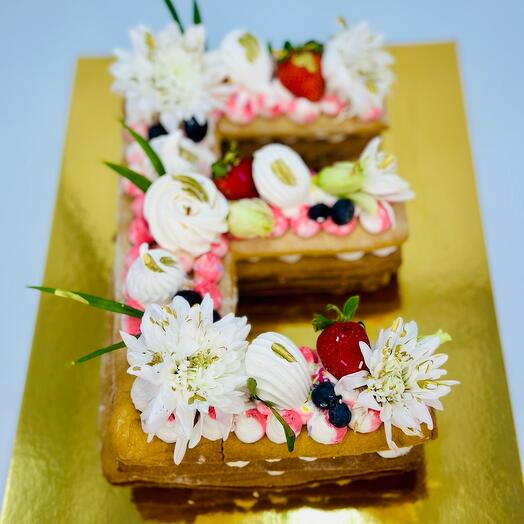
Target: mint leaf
{"points": [[92, 300], [290, 434], [148, 150], [139, 180]]}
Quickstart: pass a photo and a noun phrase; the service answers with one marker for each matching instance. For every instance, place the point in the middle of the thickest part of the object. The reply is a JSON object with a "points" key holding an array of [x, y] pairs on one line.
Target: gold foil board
{"points": [[473, 471]]}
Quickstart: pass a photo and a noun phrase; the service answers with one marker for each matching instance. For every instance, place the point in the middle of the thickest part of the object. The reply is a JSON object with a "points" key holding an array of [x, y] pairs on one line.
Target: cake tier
{"points": [[326, 140]]}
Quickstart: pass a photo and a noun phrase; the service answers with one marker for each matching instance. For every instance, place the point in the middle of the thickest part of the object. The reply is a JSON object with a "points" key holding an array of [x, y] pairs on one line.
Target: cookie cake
{"points": [[218, 195]]}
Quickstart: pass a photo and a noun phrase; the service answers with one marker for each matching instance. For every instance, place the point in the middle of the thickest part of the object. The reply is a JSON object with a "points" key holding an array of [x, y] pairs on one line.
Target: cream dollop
{"points": [[280, 369], [321, 430], [154, 277], [186, 212], [394, 453], [281, 177], [250, 426], [247, 61]]}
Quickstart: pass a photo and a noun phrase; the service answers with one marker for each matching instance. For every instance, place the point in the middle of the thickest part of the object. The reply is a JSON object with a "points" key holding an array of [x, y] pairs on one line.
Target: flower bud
{"points": [[341, 179], [250, 218]]}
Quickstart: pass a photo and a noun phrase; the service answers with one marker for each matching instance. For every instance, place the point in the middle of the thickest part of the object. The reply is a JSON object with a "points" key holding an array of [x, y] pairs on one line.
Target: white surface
{"points": [[40, 42]]}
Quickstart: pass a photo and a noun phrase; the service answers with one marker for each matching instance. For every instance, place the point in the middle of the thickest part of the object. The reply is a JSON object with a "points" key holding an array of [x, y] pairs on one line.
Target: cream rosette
{"points": [[180, 155], [281, 177], [356, 69], [154, 277], [280, 369], [247, 61], [186, 212]]}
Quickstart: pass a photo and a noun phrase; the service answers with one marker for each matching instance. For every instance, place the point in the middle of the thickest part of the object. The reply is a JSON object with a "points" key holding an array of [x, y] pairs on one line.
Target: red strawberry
{"points": [[234, 176], [338, 344], [300, 71]]}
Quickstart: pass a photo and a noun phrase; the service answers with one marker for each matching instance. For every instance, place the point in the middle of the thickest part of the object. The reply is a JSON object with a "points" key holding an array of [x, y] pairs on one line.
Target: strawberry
{"points": [[233, 176], [300, 71], [338, 344]]}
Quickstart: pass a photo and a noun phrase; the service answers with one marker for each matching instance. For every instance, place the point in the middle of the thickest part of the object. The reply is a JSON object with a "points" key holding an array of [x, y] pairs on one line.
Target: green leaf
{"points": [[290, 434], [320, 322], [350, 307], [148, 150], [92, 300], [139, 180], [174, 14], [99, 352], [197, 19]]}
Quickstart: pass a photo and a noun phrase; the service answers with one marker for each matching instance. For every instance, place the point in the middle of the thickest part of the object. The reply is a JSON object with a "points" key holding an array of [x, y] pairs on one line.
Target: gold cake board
{"points": [[473, 471]]}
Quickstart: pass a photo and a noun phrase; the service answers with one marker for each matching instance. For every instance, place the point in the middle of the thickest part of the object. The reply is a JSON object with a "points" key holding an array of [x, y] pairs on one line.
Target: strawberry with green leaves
{"points": [[300, 70], [233, 175], [338, 344]]}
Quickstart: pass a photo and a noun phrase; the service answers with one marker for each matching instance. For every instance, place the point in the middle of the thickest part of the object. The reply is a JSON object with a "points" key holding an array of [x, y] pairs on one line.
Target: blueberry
{"points": [[323, 395], [319, 212], [195, 131], [156, 130], [339, 415], [191, 296], [342, 211], [216, 315]]}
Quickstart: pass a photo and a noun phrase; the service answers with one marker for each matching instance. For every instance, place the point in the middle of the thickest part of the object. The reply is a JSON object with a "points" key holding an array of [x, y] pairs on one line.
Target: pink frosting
{"points": [[131, 256], [131, 325], [138, 206], [130, 189], [365, 420], [241, 106], [385, 219], [280, 224], [212, 413], [138, 232], [309, 354], [134, 156], [331, 105], [333, 229], [263, 409], [373, 114], [302, 225], [294, 419], [302, 110], [220, 247], [208, 267], [338, 433], [186, 260], [204, 286], [259, 417]]}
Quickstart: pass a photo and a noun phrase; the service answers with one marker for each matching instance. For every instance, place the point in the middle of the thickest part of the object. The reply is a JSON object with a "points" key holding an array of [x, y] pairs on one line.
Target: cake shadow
{"points": [[186, 504]]}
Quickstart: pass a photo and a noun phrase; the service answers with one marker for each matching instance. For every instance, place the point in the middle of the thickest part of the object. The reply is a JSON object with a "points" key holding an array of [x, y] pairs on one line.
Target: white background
{"points": [[40, 41]]}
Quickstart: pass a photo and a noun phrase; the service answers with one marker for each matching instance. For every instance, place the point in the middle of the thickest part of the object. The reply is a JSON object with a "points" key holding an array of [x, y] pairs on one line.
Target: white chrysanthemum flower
{"points": [[356, 69], [185, 363], [380, 182], [404, 379], [169, 74]]}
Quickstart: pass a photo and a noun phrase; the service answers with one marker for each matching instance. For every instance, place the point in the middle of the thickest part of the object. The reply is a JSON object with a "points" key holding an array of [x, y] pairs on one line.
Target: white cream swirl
{"points": [[185, 212], [154, 277], [281, 177]]}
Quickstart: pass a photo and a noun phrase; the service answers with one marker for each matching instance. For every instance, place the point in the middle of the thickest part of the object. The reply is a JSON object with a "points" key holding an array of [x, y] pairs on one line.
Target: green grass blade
{"points": [[148, 150], [92, 300], [174, 14], [197, 19], [99, 352], [139, 180]]}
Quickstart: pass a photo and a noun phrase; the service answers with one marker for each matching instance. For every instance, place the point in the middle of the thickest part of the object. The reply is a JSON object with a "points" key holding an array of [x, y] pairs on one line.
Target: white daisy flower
{"points": [[356, 69], [170, 75], [404, 379], [185, 363]]}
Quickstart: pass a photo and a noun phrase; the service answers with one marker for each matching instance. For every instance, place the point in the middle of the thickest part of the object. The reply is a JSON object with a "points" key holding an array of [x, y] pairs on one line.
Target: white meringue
{"points": [[275, 431], [247, 60], [281, 177], [180, 155], [186, 212], [280, 369], [154, 277]]}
